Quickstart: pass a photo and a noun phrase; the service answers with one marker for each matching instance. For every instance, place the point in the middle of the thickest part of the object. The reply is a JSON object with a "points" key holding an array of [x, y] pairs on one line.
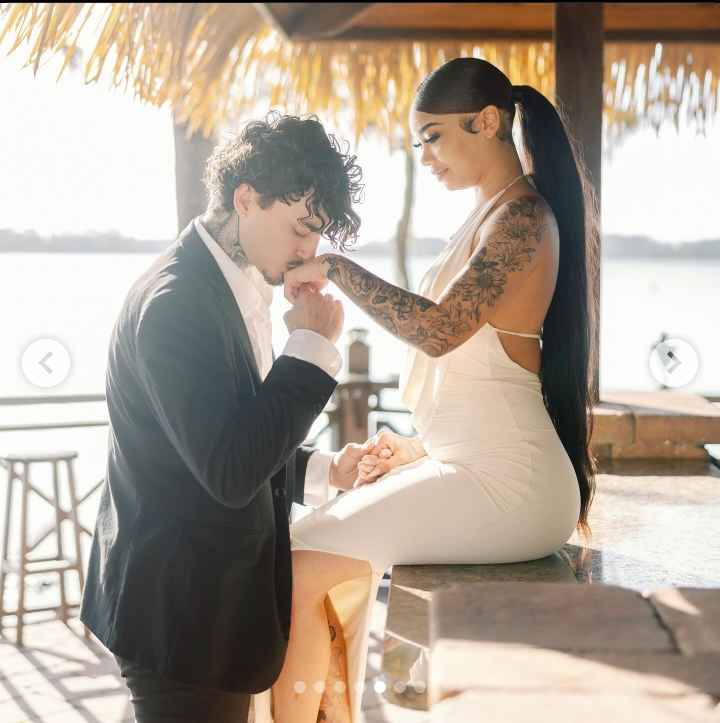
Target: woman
{"points": [[500, 470]]}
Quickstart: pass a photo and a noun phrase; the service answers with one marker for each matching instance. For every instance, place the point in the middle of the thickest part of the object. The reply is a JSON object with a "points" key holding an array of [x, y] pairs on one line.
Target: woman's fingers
{"points": [[369, 461], [375, 463], [376, 470], [369, 471]]}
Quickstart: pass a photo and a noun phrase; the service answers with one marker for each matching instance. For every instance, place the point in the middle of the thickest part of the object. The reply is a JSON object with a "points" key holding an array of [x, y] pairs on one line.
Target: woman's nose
{"points": [[425, 156]]}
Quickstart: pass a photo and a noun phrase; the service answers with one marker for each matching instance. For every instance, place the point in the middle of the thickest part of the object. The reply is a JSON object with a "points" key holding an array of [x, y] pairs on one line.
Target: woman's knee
{"points": [[315, 573]]}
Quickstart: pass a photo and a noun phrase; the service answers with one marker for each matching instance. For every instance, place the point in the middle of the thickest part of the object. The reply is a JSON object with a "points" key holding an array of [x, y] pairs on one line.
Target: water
{"points": [[76, 298]]}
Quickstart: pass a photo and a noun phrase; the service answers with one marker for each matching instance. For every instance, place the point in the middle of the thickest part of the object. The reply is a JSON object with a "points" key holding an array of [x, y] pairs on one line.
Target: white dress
{"points": [[497, 485]]}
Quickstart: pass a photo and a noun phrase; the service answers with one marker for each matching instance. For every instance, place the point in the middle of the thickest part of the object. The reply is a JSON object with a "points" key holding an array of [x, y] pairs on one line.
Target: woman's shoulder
{"points": [[526, 210], [525, 202]]}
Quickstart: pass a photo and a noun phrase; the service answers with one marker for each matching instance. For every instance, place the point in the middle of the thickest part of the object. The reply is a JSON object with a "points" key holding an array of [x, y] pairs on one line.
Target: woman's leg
{"points": [[335, 701], [299, 688]]}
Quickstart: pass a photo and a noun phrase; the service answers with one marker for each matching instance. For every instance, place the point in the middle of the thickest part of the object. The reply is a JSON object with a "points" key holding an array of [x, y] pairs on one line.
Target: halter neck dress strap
{"points": [[515, 333]]}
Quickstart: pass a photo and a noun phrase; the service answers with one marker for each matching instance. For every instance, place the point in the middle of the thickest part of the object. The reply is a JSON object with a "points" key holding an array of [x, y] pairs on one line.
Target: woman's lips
{"points": [[439, 174]]}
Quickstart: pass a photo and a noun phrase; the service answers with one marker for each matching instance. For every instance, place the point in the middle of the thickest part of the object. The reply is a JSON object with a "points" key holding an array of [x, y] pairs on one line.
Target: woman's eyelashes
{"points": [[431, 139]]}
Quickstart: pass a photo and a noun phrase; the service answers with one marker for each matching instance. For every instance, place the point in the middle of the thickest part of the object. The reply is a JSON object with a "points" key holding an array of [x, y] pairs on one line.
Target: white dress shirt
{"points": [[254, 296]]}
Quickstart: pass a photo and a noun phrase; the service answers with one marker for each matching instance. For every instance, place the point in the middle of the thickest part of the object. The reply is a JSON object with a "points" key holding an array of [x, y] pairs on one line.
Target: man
{"points": [[189, 581]]}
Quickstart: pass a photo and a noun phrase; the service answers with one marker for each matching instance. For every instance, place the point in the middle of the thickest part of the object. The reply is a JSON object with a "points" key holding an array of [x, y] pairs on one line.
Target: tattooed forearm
{"points": [[397, 310], [437, 328]]}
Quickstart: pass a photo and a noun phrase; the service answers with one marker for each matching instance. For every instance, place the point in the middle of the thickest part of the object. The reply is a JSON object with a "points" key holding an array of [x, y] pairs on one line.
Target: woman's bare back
{"points": [[526, 312]]}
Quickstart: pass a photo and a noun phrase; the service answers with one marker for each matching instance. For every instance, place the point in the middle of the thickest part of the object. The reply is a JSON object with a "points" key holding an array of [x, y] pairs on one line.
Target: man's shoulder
{"points": [[168, 289]]}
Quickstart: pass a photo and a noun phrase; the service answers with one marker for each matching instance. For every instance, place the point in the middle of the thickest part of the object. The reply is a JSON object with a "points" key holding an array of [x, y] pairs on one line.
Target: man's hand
{"points": [[317, 312], [344, 466], [386, 451]]}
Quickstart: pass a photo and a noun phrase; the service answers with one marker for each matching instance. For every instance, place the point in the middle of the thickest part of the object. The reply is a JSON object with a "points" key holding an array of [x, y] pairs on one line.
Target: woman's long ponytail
{"points": [[566, 370]]}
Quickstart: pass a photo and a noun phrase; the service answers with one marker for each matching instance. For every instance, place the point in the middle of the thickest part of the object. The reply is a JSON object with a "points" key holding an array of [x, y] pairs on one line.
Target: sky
{"points": [[81, 158]]}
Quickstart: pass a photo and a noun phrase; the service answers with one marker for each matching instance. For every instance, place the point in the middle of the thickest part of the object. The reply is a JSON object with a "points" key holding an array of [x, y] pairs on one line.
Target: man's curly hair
{"points": [[284, 157]]}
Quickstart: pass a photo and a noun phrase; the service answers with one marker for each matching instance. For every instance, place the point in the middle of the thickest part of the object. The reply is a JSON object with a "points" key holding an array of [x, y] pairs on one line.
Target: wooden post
{"points": [[22, 566], [5, 554], [58, 524], [578, 37], [353, 394], [191, 155]]}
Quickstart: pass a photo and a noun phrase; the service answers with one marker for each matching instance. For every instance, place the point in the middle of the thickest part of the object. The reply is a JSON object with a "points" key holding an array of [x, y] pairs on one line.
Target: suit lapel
{"points": [[193, 248]]}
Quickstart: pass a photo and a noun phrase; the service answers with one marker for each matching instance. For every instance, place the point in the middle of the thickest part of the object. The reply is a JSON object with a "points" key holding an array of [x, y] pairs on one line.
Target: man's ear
{"points": [[243, 199]]}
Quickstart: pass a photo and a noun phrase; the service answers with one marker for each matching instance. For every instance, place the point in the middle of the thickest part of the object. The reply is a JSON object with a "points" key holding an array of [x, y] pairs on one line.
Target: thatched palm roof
{"points": [[211, 60]]}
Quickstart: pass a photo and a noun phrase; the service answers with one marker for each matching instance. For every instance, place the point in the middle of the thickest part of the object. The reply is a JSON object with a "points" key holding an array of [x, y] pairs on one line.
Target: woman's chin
{"points": [[454, 185]]}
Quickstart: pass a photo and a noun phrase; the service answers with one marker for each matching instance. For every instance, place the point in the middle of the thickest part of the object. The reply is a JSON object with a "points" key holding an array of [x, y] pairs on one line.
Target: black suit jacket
{"points": [[189, 572]]}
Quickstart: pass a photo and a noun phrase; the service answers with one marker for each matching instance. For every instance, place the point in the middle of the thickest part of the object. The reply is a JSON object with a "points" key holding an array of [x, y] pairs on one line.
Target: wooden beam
{"points": [[513, 17], [624, 23], [501, 34], [278, 15], [326, 20], [311, 21], [579, 79]]}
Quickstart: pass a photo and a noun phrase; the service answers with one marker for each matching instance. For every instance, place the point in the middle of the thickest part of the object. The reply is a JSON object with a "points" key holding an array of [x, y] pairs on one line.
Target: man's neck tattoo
{"points": [[226, 233], [236, 250]]}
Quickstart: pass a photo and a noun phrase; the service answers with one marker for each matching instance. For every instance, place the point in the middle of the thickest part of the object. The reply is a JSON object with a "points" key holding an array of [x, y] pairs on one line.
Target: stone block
{"points": [[612, 424], [503, 706], [693, 616], [460, 665], [559, 616], [670, 415]]}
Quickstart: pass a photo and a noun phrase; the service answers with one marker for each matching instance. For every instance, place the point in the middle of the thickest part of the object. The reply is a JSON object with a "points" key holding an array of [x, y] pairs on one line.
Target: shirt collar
{"points": [[252, 296]]}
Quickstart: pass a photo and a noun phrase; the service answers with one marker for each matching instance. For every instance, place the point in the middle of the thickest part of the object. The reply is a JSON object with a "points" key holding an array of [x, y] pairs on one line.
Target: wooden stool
{"points": [[18, 467]]}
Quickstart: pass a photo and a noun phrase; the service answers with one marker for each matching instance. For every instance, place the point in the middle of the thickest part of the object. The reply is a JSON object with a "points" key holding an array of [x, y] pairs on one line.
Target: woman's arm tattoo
{"points": [[439, 328]]}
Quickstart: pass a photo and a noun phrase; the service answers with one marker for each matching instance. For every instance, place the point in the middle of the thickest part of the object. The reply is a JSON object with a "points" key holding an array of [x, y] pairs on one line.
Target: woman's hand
{"points": [[311, 275], [386, 451]]}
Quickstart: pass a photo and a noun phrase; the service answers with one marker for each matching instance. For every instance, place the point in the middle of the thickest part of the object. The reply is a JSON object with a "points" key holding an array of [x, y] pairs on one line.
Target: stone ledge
{"points": [[664, 424]]}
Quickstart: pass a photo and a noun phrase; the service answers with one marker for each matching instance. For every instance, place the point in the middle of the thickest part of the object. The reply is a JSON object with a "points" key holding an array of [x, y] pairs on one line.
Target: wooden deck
{"points": [[60, 677]]}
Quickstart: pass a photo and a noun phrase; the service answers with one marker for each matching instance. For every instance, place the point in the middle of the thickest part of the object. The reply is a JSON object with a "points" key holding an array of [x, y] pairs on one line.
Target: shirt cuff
{"points": [[314, 348], [317, 478]]}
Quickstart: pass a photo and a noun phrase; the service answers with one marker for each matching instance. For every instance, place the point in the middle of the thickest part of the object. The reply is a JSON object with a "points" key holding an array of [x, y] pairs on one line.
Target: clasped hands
{"points": [[359, 464]]}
